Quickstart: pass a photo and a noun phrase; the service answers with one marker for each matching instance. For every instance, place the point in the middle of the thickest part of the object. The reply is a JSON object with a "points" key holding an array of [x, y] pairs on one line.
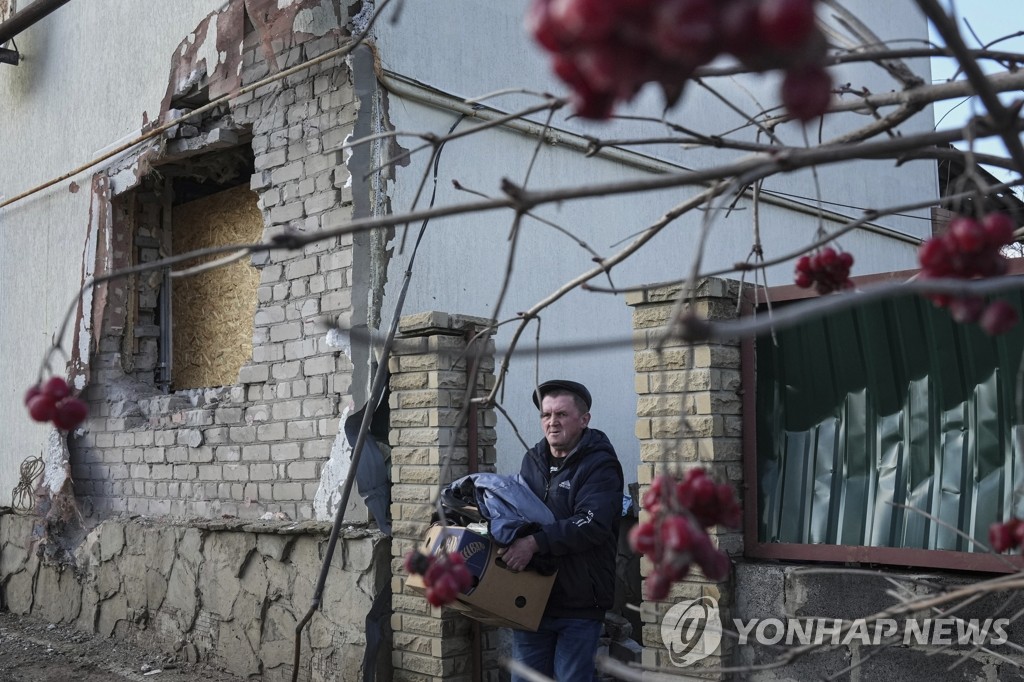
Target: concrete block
{"points": [[319, 365], [285, 451], [301, 430], [253, 374], [256, 453], [273, 431]]}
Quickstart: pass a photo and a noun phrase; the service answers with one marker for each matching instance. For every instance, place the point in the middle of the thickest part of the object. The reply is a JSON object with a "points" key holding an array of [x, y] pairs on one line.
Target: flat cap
{"points": [[565, 385]]}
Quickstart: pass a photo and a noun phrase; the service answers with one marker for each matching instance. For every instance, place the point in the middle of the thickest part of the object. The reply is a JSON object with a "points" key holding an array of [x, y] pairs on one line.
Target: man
{"points": [[575, 471]]}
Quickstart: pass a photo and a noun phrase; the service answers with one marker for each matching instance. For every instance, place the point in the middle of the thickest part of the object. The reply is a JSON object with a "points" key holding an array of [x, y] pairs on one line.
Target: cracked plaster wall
{"points": [[229, 592]]}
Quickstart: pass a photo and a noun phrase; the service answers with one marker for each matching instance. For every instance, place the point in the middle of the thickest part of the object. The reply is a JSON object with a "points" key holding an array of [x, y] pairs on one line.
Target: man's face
{"points": [[563, 423]]}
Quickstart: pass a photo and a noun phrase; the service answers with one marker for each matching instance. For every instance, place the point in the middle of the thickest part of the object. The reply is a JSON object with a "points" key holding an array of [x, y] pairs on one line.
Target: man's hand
{"points": [[518, 554]]}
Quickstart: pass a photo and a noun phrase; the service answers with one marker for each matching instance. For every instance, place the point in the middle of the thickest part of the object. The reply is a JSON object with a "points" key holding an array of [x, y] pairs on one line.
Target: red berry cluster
{"points": [[605, 50], [444, 576], [676, 535], [52, 401], [970, 249], [825, 270], [1006, 536]]}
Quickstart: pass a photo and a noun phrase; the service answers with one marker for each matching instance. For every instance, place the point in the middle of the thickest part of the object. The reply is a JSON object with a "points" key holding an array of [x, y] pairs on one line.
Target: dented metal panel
{"points": [[891, 404]]}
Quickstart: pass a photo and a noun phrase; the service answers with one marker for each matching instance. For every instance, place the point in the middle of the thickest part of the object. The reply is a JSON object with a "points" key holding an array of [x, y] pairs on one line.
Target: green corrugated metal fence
{"points": [[889, 403]]}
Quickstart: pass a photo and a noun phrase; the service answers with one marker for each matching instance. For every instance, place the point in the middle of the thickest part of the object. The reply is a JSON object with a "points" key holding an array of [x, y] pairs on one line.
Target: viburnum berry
{"points": [[999, 229], [676, 534], [583, 20], [970, 249], [57, 388], [606, 50], [967, 234], [999, 317], [686, 30], [52, 401], [709, 502], [740, 29], [657, 585], [641, 538], [32, 393], [675, 537], [445, 577], [826, 270], [785, 23], [807, 92], [934, 256], [70, 413], [42, 408], [651, 500], [965, 309], [417, 563], [1006, 536]]}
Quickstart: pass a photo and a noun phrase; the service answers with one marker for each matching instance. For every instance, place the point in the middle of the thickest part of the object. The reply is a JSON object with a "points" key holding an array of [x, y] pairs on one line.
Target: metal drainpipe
{"points": [[472, 443], [402, 87], [165, 357], [27, 17]]}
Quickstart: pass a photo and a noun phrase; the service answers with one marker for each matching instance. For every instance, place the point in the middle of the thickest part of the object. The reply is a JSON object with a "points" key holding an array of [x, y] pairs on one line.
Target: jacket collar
{"points": [[541, 450]]}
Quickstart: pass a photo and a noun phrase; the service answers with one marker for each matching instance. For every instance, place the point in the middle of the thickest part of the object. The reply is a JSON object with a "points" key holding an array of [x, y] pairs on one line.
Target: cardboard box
{"points": [[499, 596]]}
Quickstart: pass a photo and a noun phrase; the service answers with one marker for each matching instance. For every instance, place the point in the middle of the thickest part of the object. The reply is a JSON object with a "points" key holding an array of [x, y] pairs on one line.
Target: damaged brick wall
{"points": [[229, 592], [258, 446]]}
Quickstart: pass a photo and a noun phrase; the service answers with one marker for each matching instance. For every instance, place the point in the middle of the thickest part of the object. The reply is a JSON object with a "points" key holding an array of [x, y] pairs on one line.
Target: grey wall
{"points": [[461, 264], [91, 71]]}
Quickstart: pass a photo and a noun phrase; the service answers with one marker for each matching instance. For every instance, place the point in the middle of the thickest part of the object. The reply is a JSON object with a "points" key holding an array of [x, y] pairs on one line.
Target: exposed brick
{"points": [[270, 160], [287, 491], [261, 472], [301, 430], [236, 472], [301, 470], [318, 407], [285, 451], [256, 453], [336, 300], [287, 370], [283, 174], [303, 267], [319, 365], [267, 315], [243, 434], [253, 374]]}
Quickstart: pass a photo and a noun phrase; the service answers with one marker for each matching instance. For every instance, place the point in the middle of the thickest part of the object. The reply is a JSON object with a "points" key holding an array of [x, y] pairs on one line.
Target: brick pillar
{"points": [[688, 414], [428, 385]]}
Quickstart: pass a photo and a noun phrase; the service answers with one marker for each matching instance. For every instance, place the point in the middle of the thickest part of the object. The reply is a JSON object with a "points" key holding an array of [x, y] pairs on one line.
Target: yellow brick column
{"points": [[429, 377], [688, 415]]}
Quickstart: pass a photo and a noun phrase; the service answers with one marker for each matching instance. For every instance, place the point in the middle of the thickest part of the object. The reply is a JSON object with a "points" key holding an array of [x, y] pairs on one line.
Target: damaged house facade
{"points": [[193, 508]]}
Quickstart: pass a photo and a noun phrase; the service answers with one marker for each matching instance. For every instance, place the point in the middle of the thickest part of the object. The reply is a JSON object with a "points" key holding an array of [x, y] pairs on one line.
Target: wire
{"points": [[839, 203], [31, 469]]}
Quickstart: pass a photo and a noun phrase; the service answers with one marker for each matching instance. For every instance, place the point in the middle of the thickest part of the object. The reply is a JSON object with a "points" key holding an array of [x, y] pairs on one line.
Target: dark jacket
{"points": [[585, 496]]}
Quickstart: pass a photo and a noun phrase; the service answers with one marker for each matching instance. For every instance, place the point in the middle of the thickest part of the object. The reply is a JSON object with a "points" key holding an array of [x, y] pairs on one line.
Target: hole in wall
{"points": [[191, 332]]}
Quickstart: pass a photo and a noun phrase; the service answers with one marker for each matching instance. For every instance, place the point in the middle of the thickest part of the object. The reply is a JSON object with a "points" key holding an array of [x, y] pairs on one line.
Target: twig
{"points": [[871, 215], [1003, 120]]}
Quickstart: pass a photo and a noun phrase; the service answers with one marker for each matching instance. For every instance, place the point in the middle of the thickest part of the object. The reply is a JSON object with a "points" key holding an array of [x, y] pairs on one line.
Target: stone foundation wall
{"points": [[229, 592]]}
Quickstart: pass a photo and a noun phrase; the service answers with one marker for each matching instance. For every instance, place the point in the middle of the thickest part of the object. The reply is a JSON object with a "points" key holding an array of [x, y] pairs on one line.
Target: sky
{"points": [[990, 20]]}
